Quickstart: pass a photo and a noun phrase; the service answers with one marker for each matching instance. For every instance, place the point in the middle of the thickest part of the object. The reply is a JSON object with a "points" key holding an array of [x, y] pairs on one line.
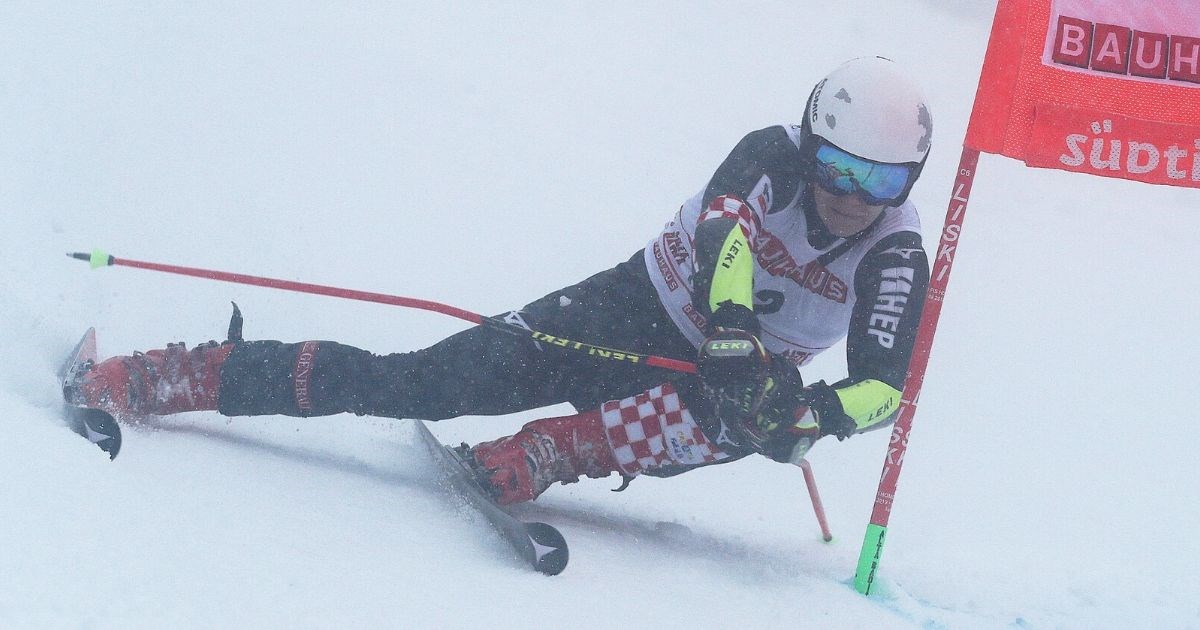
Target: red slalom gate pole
{"points": [[872, 549], [99, 259]]}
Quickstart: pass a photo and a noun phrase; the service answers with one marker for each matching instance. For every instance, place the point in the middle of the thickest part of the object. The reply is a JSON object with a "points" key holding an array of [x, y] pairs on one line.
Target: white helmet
{"points": [[869, 108]]}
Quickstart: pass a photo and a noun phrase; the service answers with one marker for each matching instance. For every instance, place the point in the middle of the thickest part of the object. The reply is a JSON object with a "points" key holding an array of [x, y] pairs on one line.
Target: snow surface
{"points": [[483, 154]]}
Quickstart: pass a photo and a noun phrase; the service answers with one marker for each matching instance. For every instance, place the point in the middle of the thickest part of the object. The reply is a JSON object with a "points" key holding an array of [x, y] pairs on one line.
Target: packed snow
{"points": [[482, 155]]}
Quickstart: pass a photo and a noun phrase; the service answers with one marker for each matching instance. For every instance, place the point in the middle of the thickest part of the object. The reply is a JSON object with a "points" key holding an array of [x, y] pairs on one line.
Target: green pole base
{"points": [[868, 558]]}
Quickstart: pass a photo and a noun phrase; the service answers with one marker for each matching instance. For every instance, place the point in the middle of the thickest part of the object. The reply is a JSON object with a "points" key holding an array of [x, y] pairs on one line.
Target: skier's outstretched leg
{"points": [[652, 432], [313, 378], [157, 382]]}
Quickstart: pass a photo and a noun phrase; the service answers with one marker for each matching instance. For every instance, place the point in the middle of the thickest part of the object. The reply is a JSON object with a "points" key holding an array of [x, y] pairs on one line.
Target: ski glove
{"points": [[794, 417], [729, 315], [761, 399], [734, 371]]}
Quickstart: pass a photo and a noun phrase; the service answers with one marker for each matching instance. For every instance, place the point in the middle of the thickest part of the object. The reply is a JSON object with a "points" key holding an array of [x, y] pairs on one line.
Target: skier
{"points": [[803, 236]]}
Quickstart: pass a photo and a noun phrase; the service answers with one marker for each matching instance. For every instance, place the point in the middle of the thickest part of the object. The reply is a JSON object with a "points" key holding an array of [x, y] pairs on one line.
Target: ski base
{"points": [[539, 544]]}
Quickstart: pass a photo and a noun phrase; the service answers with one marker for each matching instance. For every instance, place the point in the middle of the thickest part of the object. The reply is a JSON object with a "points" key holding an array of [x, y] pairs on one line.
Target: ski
{"points": [[97, 426], [539, 544]]}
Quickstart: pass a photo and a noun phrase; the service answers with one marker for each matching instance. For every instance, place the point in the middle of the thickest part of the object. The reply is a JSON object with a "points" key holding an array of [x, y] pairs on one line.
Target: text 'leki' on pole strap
{"points": [[98, 258]]}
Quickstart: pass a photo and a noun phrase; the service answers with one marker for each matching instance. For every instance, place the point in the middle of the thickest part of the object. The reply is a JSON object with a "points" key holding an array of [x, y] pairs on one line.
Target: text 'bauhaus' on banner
{"points": [[1106, 87]]}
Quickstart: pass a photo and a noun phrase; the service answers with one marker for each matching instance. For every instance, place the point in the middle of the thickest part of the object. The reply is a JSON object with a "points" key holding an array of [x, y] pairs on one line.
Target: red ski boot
{"points": [[522, 466], [157, 382]]}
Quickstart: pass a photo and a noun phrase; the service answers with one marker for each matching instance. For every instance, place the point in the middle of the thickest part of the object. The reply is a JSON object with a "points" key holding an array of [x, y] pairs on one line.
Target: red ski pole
{"points": [[818, 507], [99, 259]]}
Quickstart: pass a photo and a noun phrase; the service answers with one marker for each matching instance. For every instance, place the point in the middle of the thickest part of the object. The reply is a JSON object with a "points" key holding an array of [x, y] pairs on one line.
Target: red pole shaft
{"points": [[815, 496], [382, 298], [304, 287]]}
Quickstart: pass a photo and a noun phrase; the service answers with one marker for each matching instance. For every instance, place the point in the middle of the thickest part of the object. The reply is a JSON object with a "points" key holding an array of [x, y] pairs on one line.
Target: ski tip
{"points": [[549, 548], [100, 429]]}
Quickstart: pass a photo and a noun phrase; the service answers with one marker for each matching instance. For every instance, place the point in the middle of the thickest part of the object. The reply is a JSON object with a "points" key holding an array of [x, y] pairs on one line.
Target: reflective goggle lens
{"points": [[842, 173]]}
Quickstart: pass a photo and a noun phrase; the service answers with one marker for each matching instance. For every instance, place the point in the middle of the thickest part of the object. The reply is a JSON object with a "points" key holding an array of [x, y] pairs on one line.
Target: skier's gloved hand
{"points": [[793, 417], [731, 315], [762, 400], [734, 370], [732, 365]]}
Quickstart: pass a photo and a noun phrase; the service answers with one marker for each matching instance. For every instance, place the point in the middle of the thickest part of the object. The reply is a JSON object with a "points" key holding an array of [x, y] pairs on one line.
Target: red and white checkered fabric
{"points": [[729, 207], [653, 428]]}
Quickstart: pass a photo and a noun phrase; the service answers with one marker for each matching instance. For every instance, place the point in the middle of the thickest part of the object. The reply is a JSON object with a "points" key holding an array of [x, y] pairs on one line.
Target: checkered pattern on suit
{"points": [[729, 207], [654, 428]]}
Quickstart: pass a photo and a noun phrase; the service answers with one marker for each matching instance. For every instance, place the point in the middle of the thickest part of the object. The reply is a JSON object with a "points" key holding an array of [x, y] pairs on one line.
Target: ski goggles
{"points": [[877, 183]]}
